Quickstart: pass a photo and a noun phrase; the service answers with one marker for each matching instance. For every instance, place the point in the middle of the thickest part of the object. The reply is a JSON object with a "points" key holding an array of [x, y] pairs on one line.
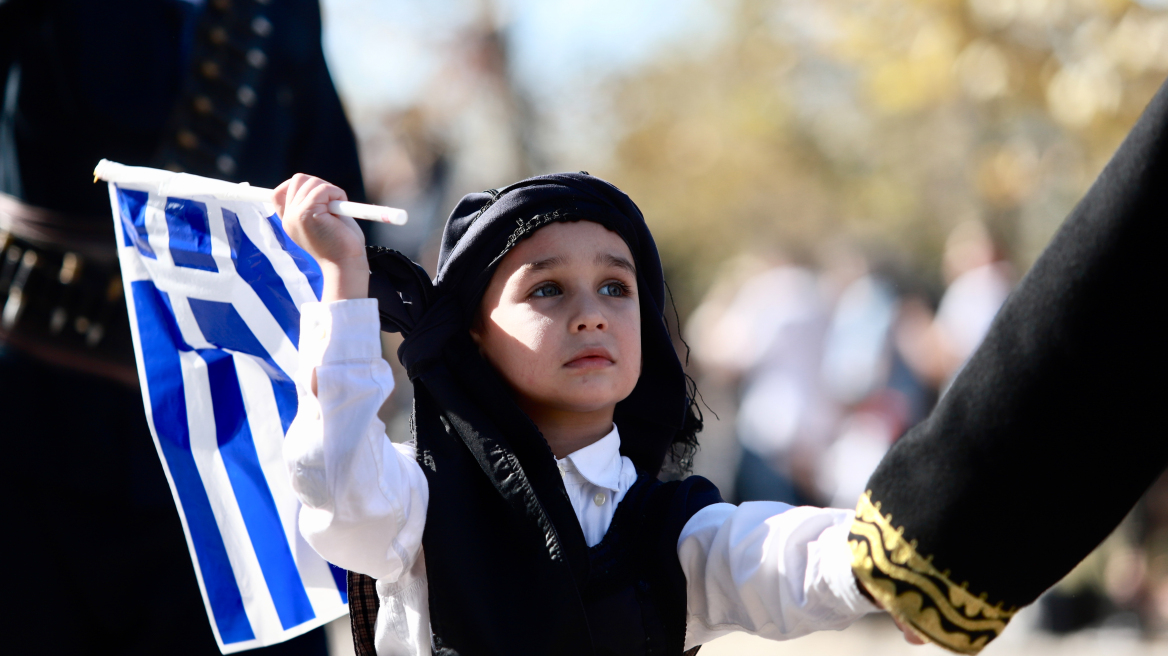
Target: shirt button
{"points": [[321, 333], [316, 412], [599, 499]]}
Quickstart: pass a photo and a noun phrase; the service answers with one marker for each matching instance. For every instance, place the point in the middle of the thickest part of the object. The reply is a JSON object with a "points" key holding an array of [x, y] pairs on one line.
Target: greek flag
{"points": [[214, 288]]}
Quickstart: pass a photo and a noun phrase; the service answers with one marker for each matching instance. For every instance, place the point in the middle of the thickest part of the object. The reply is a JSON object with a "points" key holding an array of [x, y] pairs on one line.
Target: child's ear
{"points": [[476, 330]]}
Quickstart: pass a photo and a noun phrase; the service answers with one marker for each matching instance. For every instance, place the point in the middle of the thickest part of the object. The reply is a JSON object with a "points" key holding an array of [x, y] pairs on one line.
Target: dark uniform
{"points": [[233, 89], [1051, 432]]}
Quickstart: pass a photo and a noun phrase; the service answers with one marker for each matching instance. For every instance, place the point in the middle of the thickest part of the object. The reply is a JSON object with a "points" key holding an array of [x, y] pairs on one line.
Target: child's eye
{"points": [[546, 290], [614, 289]]}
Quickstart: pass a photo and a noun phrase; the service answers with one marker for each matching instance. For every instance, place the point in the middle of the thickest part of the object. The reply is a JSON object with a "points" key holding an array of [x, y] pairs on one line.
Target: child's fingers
{"points": [[305, 184], [304, 201], [316, 198], [323, 193], [279, 195]]}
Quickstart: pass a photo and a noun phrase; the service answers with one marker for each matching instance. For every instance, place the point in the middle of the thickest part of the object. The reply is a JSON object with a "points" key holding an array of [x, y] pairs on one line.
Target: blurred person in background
{"points": [[865, 374], [979, 280], [767, 334], [823, 390], [228, 89]]}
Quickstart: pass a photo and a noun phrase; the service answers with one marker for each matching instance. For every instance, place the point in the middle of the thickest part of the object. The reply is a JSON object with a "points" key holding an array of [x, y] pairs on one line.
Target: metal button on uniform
{"points": [[316, 412], [599, 499], [246, 95], [187, 139], [203, 105], [322, 333], [261, 26], [256, 58]]}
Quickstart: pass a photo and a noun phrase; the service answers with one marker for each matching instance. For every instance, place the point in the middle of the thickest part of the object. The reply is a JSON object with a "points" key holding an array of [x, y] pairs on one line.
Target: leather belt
{"points": [[61, 290]]}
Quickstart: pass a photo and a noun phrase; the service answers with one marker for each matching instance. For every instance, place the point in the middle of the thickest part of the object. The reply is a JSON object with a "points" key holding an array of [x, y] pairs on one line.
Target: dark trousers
{"points": [[94, 551]]}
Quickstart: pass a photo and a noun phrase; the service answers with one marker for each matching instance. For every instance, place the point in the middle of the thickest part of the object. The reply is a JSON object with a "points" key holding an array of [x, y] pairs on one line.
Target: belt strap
{"points": [[91, 237]]}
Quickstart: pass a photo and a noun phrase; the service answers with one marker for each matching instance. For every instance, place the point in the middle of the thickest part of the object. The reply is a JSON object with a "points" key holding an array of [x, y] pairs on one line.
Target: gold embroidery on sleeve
{"points": [[909, 587]]}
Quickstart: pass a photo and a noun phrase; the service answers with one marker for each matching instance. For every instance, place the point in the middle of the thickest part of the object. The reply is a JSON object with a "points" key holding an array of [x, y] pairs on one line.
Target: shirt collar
{"points": [[599, 463]]}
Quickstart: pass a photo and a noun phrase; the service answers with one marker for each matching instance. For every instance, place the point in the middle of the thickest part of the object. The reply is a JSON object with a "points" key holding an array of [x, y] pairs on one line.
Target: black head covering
{"points": [[1050, 433], [505, 529], [486, 226]]}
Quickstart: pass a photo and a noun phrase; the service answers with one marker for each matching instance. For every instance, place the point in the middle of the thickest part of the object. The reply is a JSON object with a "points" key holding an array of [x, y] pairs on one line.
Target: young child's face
{"points": [[561, 321]]}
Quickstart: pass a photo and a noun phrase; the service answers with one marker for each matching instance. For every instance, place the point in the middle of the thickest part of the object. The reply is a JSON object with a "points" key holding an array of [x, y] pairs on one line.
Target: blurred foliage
{"points": [[885, 122]]}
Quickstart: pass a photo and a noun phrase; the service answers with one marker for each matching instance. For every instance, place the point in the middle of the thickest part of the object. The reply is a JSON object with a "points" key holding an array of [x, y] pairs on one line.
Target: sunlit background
{"points": [[867, 153]]}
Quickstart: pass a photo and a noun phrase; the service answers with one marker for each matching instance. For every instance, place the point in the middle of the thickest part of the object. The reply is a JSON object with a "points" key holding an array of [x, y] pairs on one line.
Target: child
{"points": [[526, 516]]}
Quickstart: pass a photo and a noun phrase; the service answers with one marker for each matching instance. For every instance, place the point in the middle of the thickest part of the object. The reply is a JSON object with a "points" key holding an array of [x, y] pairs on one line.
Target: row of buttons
{"points": [[245, 94]]}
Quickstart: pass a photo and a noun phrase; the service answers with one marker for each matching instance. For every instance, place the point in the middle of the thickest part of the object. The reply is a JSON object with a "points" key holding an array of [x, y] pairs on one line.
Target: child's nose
{"points": [[589, 316]]}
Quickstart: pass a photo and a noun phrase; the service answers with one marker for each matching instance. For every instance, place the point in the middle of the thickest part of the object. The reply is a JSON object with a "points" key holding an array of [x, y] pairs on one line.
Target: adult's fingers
{"points": [[910, 634]]}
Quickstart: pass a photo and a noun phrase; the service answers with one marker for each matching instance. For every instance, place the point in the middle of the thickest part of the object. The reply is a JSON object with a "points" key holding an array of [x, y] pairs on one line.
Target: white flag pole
{"points": [[185, 184]]}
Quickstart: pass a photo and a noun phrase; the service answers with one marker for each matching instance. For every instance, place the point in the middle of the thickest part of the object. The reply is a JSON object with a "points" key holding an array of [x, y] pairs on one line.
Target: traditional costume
{"points": [[1051, 432], [480, 540], [230, 89]]}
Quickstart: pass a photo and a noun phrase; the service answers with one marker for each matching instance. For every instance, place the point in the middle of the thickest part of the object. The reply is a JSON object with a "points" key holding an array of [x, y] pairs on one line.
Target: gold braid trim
{"points": [[915, 592]]}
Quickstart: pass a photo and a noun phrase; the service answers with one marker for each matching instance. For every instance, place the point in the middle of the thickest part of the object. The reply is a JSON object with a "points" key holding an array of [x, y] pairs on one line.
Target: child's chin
{"points": [[592, 402]]}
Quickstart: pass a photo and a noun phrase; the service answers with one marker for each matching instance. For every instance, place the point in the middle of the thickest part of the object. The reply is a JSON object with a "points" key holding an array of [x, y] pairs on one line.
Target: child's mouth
{"points": [[590, 362], [590, 359]]}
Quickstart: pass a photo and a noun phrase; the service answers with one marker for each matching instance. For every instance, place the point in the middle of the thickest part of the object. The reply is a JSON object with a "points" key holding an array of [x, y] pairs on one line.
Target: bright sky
{"points": [[382, 52]]}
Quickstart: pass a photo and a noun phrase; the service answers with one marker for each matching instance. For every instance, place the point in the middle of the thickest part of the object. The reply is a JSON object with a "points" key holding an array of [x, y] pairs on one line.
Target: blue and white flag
{"points": [[214, 288]]}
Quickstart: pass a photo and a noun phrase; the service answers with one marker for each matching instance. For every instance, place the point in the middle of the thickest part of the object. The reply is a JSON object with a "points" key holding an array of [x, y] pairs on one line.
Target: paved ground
{"points": [[876, 636]]}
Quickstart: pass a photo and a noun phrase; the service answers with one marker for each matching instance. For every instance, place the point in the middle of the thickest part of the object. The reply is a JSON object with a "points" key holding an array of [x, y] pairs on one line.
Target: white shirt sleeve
{"points": [[769, 569], [364, 497]]}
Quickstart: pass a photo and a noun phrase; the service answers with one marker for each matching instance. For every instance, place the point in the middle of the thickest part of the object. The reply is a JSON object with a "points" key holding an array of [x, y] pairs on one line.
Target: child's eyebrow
{"points": [[608, 259], [544, 264]]}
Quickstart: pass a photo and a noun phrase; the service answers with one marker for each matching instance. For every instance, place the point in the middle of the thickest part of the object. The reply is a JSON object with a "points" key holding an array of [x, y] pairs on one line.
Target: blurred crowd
{"points": [[817, 366], [831, 362]]}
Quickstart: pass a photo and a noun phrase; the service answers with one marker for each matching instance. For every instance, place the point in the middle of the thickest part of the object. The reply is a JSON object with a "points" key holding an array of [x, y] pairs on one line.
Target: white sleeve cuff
{"points": [[836, 569], [341, 331]]}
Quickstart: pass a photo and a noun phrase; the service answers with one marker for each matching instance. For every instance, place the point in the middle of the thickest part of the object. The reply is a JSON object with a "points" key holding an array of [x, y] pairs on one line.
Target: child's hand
{"points": [[335, 241]]}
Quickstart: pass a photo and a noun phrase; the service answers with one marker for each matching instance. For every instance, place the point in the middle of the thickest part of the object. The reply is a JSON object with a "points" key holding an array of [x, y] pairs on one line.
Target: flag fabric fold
{"points": [[213, 287]]}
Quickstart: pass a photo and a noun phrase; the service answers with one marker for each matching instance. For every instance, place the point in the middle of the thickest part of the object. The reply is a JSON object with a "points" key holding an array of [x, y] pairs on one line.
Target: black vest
{"points": [[633, 600]]}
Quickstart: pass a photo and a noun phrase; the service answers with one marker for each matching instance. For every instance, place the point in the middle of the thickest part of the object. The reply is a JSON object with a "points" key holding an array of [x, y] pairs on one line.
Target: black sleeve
{"points": [[1051, 432], [329, 149], [15, 17], [325, 144]]}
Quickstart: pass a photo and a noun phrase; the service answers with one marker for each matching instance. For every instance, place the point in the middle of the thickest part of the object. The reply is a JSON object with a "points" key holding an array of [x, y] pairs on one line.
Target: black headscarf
{"points": [[504, 550]]}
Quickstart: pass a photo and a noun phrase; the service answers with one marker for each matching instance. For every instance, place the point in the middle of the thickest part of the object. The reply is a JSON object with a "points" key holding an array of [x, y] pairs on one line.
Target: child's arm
{"points": [[768, 569], [364, 498]]}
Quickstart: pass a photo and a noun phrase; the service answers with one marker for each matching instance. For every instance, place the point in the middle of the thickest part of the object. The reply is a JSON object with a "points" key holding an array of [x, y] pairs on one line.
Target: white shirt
{"points": [[763, 567]]}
